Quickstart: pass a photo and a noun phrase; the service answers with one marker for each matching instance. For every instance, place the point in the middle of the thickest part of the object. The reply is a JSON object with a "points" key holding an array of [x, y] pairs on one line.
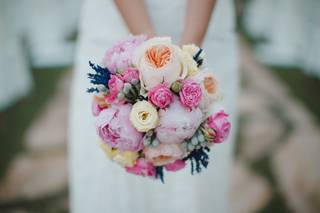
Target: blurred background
{"points": [[277, 155]]}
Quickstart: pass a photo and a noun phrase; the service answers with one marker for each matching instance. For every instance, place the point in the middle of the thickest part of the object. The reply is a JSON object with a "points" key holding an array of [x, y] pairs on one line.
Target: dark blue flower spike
{"points": [[100, 77], [197, 58], [199, 159], [159, 173]]}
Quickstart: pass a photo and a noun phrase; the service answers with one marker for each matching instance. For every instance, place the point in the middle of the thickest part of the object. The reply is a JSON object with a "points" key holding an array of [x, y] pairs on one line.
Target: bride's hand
{"points": [[197, 19], [135, 15]]}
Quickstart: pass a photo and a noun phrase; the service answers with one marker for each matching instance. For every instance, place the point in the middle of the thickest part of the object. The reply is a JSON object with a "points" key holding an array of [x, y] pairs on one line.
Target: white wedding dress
{"points": [[99, 185]]}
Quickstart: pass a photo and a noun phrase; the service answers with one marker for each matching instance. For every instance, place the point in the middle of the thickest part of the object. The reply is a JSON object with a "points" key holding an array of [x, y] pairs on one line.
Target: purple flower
{"points": [[120, 55], [115, 129]]}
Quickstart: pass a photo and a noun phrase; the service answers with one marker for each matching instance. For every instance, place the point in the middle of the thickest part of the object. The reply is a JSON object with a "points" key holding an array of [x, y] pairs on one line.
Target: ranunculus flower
{"points": [[190, 94], [159, 61], [175, 166], [189, 62], [177, 123], [130, 74], [119, 57], [116, 130], [124, 158], [142, 167], [115, 84], [192, 50], [209, 86], [144, 116], [220, 124], [164, 154], [160, 95]]}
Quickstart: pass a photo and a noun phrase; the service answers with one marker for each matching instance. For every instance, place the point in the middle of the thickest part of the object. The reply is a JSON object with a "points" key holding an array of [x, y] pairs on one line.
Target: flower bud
{"points": [[120, 95], [200, 137], [190, 147], [127, 87], [155, 142], [176, 86], [147, 141], [194, 141]]}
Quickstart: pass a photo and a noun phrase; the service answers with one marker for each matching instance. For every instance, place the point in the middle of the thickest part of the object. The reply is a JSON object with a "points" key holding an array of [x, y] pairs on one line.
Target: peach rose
{"points": [[209, 87], [159, 61], [164, 154]]}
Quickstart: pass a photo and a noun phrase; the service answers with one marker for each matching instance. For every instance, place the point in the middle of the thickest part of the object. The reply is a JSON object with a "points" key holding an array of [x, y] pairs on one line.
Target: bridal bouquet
{"points": [[152, 102]]}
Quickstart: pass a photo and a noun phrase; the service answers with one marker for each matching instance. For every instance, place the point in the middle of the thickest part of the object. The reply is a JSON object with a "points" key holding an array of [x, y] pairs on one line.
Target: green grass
{"points": [[304, 87], [16, 119]]}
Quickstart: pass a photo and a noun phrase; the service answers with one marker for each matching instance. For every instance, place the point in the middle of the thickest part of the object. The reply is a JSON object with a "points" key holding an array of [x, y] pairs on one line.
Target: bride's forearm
{"points": [[135, 15], [197, 19]]}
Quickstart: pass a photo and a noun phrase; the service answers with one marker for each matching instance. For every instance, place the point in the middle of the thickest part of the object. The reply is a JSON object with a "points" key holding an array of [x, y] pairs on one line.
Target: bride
{"points": [[99, 185]]}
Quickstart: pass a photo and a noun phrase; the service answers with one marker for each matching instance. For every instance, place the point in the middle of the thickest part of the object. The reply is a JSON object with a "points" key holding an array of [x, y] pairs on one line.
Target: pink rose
{"points": [[120, 55], [95, 108], [190, 94], [177, 123], [219, 123], [130, 74], [164, 154], [115, 84], [142, 168], [175, 166], [160, 96], [115, 129]]}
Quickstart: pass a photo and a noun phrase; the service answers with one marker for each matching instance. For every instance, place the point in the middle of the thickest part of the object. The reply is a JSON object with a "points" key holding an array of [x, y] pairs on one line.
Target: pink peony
{"points": [[120, 55], [190, 94], [177, 123], [143, 168], [164, 154], [95, 108], [219, 123], [130, 74], [160, 96], [175, 166], [115, 129], [115, 86]]}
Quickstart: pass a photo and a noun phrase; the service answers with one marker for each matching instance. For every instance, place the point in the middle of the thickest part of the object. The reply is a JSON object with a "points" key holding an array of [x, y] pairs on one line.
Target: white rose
{"points": [[144, 116]]}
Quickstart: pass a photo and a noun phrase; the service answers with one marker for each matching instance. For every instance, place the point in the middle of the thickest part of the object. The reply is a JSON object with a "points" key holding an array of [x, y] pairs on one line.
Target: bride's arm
{"points": [[136, 17], [197, 19]]}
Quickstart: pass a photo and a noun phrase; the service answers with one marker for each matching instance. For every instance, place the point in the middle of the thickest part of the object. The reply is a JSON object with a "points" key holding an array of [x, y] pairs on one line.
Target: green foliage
{"points": [[16, 119]]}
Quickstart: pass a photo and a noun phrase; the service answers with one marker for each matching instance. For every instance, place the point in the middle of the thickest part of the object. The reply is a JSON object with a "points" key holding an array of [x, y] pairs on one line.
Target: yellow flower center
{"points": [[143, 115]]}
